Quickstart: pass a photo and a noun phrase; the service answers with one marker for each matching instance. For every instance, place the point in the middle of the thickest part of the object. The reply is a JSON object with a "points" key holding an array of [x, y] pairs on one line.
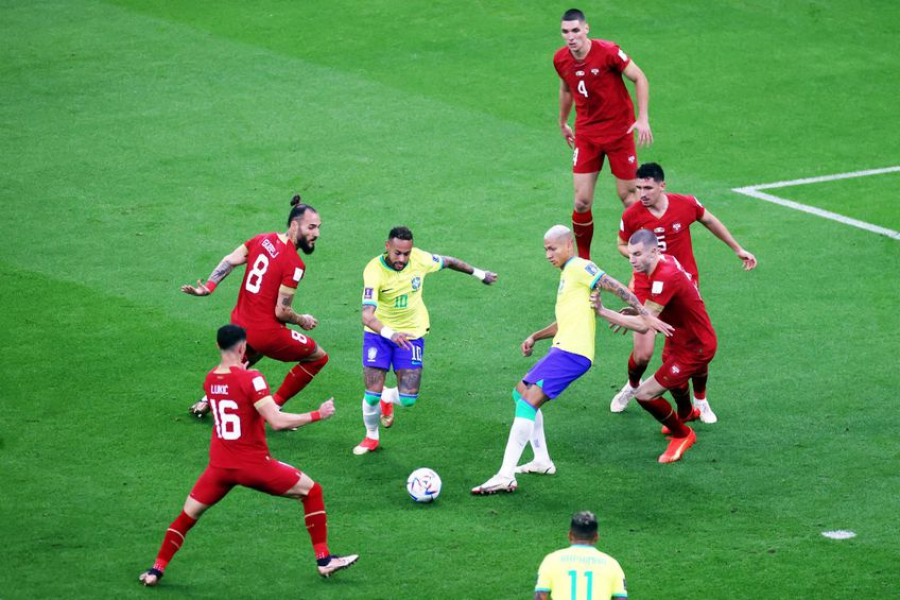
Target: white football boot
{"points": [[497, 483], [706, 413], [620, 401], [537, 468]]}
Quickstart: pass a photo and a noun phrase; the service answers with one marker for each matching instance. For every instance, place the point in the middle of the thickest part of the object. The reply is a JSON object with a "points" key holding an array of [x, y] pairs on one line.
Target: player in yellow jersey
{"points": [[396, 322], [580, 572], [577, 303]]}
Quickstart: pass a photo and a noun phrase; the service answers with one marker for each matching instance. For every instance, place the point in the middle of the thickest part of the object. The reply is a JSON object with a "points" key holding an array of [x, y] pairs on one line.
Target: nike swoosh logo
{"points": [[387, 290]]}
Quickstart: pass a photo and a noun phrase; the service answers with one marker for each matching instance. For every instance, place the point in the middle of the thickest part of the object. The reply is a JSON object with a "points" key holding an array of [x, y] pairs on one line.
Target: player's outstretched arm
{"points": [[719, 230], [278, 420], [371, 321], [608, 283], [622, 321], [642, 95], [547, 332], [225, 266], [455, 264]]}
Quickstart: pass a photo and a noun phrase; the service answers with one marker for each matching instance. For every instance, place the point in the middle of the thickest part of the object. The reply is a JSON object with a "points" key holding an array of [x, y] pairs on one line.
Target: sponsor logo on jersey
{"points": [[416, 283], [676, 227], [373, 352], [367, 293], [298, 274], [219, 390], [659, 230], [259, 384], [270, 248], [579, 73], [657, 287]]}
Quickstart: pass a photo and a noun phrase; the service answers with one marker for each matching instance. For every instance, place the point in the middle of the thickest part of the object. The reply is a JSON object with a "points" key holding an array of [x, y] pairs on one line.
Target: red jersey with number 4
{"points": [[272, 262], [239, 435], [672, 229], [603, 108], [671, 287]]}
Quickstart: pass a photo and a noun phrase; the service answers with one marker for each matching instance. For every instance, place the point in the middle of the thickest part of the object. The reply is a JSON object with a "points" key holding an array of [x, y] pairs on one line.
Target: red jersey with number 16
{"points": [[603, 108], [671, 287], [239, 435], [672, 228], [272, 262]]}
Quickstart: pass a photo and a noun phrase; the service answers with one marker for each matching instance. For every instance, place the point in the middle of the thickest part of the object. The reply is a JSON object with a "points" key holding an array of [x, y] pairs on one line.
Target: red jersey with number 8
{"points": [[272, 262], [603, 108], [239, 435]]}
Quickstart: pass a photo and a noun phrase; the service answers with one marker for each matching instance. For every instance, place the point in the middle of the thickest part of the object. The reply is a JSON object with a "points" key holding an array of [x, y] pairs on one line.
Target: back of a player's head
{"points": [[298, 209], [573, 14], [230, 336], [645, 238], [652, 171], [400, 233], [584, 526]]}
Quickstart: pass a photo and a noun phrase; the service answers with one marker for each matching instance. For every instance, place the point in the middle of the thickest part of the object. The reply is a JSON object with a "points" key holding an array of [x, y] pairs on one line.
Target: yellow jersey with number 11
{"points": [[581, 571]]}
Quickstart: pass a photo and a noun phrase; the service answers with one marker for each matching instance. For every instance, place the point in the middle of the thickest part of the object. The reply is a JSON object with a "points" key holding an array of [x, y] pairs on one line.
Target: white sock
{"points": [[519, 435], [370, 419], [539, 441], [391, 395], [204, 398]]}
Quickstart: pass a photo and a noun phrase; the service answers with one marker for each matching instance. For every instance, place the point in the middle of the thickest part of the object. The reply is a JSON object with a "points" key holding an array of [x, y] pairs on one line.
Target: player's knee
{"points": [[321, 359], [583, 202], [517, 393], [408, 400], [641, 357]]}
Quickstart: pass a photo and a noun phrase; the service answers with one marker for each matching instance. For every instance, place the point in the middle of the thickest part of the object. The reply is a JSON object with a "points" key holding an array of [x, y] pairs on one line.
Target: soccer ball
{"points": [[423, 485]]}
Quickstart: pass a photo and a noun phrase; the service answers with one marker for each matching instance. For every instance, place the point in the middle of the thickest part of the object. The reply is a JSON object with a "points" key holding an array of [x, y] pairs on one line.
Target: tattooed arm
{"points": [[226, 266], [608, 283], [284, 311], [487, 277]]}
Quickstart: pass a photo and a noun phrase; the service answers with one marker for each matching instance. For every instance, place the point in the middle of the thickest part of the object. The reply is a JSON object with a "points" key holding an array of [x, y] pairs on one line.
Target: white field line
{"points": [[753, 192]]}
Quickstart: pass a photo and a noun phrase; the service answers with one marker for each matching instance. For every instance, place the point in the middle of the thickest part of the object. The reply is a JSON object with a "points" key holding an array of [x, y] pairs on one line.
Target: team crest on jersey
{"points": [[657, 287], [675, 369], [595, 71], [579, 73], [676, 227], [631, 159], [373, 352], [416, 283]]}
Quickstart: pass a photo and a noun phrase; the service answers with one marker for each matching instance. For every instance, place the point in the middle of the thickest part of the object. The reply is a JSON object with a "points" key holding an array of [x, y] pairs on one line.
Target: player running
{"points": [[570, 357], [590, 73], [265, 298], [673, 297], [580, 571], [393, 284], [239, 456], [669, 217]]}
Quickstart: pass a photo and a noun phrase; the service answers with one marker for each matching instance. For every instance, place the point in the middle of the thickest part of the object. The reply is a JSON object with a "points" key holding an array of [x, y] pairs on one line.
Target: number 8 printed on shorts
{"points": [[255, 275]]}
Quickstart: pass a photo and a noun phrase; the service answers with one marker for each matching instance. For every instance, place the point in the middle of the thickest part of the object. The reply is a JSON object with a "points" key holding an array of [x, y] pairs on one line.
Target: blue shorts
{"points": [[381, 353], [556, 371]]}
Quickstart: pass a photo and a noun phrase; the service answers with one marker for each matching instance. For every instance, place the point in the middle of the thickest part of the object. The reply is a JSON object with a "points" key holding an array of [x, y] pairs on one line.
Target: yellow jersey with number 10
{"points": [[575, 319], [397, 295]]}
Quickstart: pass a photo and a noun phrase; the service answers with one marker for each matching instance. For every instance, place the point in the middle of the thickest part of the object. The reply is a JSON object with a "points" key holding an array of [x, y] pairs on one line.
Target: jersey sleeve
{"points": [[662, 288], [430, 262], [627, 226], [545, 575], [371, 284], [619, 589], [256, 387], [591, 274], [698, 209], [617, 59], [292, 274]]}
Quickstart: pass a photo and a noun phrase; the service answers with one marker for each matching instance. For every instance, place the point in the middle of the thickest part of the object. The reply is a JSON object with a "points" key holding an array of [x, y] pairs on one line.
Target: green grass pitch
{"points": [[141, 140]]}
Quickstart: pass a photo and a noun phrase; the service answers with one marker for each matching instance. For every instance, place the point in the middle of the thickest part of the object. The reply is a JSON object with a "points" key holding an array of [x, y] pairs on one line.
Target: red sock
{"points": [[297, 379], [173, 540], [635, 371], [662, 411], [316, 521], [583, 227], [699, 382], [682, 398]]}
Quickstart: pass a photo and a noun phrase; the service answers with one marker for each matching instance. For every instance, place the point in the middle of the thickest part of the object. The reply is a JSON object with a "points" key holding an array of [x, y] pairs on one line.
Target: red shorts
{"points": [[679, 366], [284, 344], [589, 154], [272, 477], [641, 285]]}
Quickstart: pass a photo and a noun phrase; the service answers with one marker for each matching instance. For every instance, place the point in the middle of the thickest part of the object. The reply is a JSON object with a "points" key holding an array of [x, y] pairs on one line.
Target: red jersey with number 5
{"points": [[671, 287], [239, 435], [672, 229], [272, 262], [603, 108]]}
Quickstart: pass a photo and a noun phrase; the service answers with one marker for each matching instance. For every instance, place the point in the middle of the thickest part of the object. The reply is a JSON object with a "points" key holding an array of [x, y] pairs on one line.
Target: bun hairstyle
{"points": [[298, 209]]}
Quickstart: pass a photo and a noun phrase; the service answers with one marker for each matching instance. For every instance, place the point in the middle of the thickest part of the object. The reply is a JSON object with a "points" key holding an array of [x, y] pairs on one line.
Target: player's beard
{"points": [[307, 246]]}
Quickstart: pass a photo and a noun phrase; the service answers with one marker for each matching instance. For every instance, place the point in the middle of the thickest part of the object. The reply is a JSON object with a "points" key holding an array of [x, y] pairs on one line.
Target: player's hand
{"points": [[528, 346], [645, 136], [568, 134], [326, 409], [402, 340], [198, 290], [308, 322], [657, 325], [748, 259], [596, 302], [489, 278], [628, 311]]}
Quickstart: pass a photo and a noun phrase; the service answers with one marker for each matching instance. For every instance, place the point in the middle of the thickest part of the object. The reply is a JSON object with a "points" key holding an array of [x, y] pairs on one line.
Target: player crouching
{"points": [[238, 455]]}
